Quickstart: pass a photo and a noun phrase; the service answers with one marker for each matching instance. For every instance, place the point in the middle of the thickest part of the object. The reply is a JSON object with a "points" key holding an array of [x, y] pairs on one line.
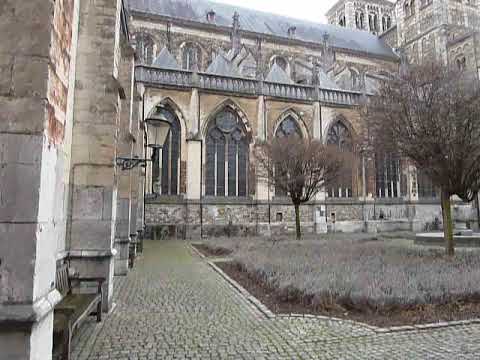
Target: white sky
{"points": [[313, 10]]}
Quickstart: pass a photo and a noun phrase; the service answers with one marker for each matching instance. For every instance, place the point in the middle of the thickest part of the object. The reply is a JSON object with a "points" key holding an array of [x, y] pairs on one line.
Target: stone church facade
{"points": [[89, 90], [202, 62]]}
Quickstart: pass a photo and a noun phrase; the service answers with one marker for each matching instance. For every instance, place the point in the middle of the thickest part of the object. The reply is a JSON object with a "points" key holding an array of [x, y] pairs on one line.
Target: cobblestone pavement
{"points": [[175, 306]]}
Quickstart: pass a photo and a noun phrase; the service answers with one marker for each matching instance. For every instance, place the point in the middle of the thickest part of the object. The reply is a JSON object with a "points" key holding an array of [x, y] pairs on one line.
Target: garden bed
{"points": [[211, 251], [374, 282]]}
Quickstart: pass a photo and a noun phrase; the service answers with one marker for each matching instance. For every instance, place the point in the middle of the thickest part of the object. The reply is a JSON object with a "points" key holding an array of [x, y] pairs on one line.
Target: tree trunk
{"points": [[297, 221], [447, 224]]}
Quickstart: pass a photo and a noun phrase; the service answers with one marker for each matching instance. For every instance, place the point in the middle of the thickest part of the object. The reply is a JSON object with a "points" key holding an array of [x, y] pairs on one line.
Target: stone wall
{"points": [[37, 66], [191, 220]]}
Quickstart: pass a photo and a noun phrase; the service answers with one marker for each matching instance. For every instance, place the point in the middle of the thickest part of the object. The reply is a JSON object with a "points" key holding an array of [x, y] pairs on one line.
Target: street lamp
{"points": [[158, 127], [158, 130]]}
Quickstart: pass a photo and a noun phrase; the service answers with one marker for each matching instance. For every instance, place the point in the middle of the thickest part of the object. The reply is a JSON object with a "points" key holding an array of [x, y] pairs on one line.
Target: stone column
{"points": [[261, 119], [195, 112], [95, 133], [36, 88], [194, 188], [350, 15], [137, 150]]}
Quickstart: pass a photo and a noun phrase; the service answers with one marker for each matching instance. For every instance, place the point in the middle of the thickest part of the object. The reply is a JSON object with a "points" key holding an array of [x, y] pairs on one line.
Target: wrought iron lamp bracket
{"points": [[127, 163]]}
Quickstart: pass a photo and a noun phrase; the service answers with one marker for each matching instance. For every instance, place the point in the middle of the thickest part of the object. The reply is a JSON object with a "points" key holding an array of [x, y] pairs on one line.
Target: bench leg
{"points": [[99, 311]]}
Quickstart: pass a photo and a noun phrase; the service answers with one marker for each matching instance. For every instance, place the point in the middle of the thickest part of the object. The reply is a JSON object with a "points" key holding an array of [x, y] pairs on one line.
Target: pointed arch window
{"points": [[166, 156], [288, 127], [145, 48], [360, 20], [426, 189], [191, 57], [281, 61], [227, 156], [386, 22], [461, 62], [340, 136], [388, 175]]}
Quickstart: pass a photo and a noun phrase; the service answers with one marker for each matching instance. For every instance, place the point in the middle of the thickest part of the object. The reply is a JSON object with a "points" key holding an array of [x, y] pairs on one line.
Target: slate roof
{"points": [[266, 23], [165, 60], [221, 66], [278, 75]]}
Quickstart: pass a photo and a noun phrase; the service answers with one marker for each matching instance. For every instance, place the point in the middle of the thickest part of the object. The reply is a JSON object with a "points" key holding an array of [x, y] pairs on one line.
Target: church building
{"points": [[220, 79]]}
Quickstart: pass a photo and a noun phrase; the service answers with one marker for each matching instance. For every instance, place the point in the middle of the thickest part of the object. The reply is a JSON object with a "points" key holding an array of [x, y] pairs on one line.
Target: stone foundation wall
{"points": [[192, 219]]}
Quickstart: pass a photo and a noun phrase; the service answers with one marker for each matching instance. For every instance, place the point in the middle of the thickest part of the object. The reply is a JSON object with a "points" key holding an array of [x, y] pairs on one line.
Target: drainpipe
{"points": [[478, 210], [201, 189], [145, 146]]}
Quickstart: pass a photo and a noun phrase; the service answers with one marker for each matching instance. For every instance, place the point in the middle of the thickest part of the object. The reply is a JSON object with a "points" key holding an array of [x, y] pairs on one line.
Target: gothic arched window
{"points": [[360, 19], [191, 56], [426, 189], [281, 61], [166, 156], [388, 176], [226, 156], [355, 77], [144, 45], [386, 23], [461, 62], [288, 127], [340, 136]]}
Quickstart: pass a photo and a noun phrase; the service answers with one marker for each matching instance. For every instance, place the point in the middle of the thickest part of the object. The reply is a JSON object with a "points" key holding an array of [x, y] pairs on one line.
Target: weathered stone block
{"points": [[25, 115], [19, 18], [6, 69], [17, 249], [107, 204], [87, 203], [91, 234], [19, 192], [30, 76], [20, 149]]}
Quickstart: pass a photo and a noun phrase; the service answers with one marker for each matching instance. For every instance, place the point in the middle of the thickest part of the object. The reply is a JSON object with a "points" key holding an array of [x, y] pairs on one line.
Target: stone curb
{"points": [[243, 292], [431, 326], [269, 314]]}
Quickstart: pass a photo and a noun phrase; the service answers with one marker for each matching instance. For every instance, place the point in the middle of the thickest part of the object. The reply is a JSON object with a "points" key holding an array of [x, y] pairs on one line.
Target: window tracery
{"points": [[191, 57], [166, 157], [288, 127], [226, 156], [145, 48], [340, 136], [388, 175]]}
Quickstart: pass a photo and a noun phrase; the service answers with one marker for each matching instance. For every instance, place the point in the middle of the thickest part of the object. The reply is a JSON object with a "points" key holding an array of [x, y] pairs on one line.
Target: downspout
{"points": [[145, 148], [201, 166]]}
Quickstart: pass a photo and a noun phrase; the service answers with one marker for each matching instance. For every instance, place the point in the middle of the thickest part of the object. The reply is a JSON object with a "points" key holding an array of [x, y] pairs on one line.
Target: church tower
{"points": [[375, 16], [441, 30]]}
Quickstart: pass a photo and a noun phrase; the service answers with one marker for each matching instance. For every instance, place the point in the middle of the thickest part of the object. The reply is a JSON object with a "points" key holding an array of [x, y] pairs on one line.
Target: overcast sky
{"points": [[313, 10]]}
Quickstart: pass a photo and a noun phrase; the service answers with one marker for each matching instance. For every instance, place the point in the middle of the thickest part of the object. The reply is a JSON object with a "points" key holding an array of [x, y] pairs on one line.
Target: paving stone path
{"points": [[175, 306]]}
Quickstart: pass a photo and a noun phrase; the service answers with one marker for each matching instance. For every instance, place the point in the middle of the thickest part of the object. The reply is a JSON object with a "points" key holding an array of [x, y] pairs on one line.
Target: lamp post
{"points": [[158, 129]]}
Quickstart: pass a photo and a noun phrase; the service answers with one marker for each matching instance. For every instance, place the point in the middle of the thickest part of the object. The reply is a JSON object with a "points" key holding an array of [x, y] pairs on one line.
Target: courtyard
{"points": [[174, 305]]}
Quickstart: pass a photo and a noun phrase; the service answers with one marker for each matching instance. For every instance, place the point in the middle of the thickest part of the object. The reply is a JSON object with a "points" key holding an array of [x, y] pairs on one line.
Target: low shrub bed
{"points": [[377, 282]]}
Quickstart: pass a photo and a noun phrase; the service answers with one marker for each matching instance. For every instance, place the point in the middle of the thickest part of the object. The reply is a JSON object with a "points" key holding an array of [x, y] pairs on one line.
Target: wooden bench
{"points": [[74, 308]]}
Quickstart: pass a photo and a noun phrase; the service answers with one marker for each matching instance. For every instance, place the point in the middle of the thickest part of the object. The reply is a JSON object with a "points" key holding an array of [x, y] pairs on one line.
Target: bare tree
{"points": [[299, 168], [431, 114]]}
